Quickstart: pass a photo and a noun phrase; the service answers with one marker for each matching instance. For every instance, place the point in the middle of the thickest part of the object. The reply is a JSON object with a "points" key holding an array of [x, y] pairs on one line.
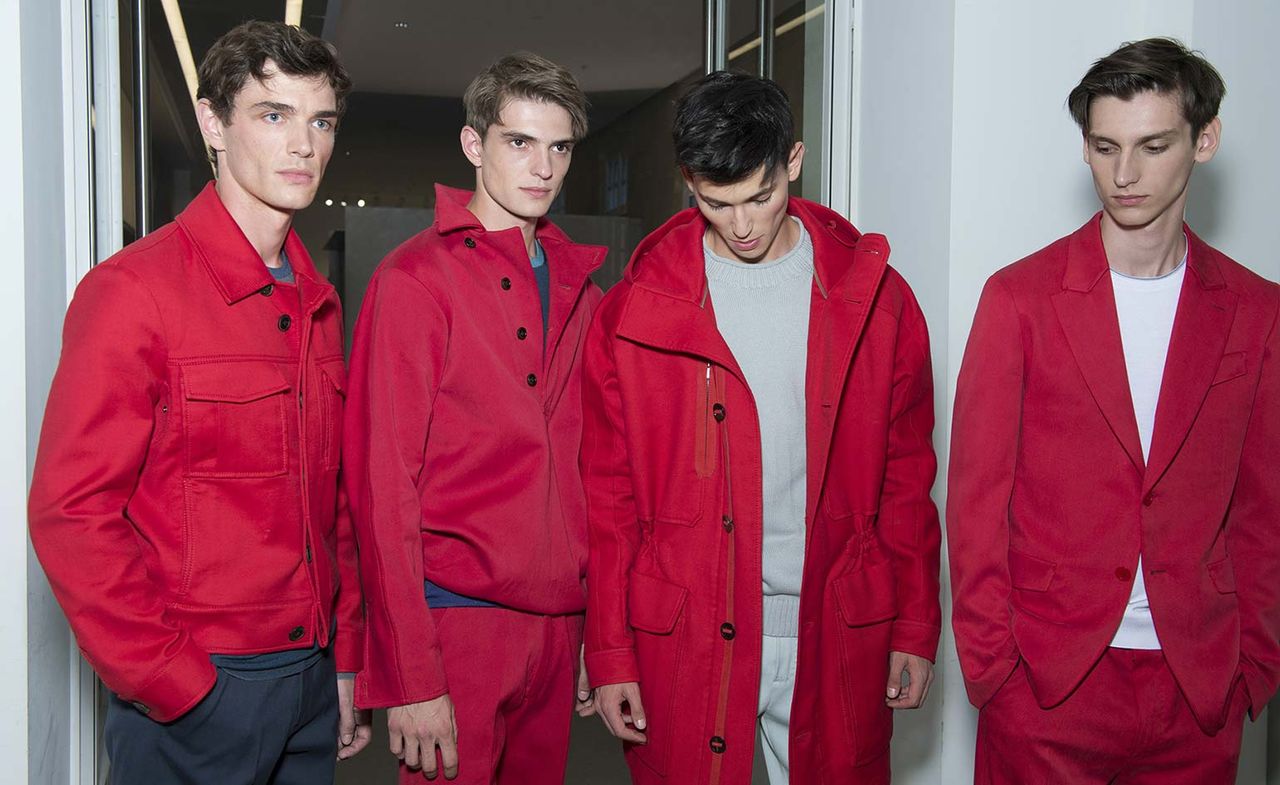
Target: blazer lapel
{"points": [[1086, 310], [1206, 309]]}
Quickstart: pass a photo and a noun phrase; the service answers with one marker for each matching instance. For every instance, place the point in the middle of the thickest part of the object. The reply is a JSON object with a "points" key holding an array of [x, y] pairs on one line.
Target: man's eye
{"points": [[1157, 149], [517, 142], [273, 117], [324, 125]]}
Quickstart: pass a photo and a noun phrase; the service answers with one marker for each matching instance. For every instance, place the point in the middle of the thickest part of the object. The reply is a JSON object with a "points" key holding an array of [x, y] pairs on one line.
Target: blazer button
{"points": [[470, 243], [1123, 574], [267, 290], [522, 333], [717, 744], [532, 380], [296, 633], [727, 522], [727, 631], [717, 411], [1148, 499], [284, 323], [142, 707], [506, 283]]}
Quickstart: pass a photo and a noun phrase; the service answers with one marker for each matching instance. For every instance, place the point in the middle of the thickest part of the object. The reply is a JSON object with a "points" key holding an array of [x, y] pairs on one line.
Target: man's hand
{"points": [[355, 727], [627, 723], [417, 729], [909, 680], [585, 704]]}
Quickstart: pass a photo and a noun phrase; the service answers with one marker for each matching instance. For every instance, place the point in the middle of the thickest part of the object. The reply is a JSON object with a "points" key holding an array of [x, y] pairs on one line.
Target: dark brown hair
{"points": [[1161, 65], [528, 76], [244, 51]]}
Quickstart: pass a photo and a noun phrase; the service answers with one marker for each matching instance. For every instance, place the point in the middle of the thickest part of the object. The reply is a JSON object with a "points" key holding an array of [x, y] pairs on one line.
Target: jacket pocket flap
{"points": [[1231, 366], [232, 382], [1028, 572], [654, 604], [867, 596], [336, 372], [1223, 576]]}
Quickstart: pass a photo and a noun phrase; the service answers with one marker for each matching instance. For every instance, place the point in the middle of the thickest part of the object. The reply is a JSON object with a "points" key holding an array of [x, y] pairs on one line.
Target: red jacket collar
{"points": [[452, 215], [670, 259], [1087, 258], [232, 261]]}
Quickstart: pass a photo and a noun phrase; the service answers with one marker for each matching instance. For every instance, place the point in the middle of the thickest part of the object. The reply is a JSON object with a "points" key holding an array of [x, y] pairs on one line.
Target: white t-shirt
{"points": [[1146, 308]]}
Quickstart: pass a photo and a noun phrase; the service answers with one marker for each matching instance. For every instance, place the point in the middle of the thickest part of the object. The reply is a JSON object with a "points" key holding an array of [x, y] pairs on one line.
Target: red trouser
{"points": [[1127, 723], [512, 678]]}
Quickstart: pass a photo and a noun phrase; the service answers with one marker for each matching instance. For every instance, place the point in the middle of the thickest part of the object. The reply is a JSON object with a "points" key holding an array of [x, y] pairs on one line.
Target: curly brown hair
{"points": [[244, 52]]}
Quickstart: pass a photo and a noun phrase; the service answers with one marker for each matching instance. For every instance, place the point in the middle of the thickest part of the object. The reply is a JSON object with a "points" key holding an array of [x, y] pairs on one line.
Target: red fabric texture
{"points": [[512, 678], [671, 463], [1127, 723], [1049, 499], [463, 437], [185, 498]]}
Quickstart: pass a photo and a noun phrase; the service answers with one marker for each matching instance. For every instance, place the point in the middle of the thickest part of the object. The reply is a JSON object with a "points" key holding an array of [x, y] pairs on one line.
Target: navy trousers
{"points": [[280, 731]]}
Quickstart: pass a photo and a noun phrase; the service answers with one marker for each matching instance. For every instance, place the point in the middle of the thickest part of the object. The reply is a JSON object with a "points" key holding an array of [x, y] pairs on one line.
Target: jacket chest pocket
{"points": [[692, 472], [333, 397], [235, 419]]}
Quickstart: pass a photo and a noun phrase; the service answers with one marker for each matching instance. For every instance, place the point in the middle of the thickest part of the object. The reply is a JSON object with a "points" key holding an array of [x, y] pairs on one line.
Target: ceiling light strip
{"points": [[178, 31], [782, 29], [293, 12]]}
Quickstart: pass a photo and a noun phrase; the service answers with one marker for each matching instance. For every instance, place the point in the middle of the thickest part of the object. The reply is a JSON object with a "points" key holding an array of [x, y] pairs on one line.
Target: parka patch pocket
{"points": [[867, 596], [235, 419], [655, 611], [866, 601]]}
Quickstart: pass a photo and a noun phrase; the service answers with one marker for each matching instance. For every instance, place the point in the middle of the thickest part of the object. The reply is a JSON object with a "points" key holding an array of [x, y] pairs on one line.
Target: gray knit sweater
{"points": [[762, 310]]}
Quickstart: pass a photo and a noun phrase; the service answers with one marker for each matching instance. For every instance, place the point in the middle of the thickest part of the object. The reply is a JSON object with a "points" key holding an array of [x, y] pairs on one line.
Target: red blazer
{"points": [[671, 462], [462, 437], [1050, 502], [185, 498]]}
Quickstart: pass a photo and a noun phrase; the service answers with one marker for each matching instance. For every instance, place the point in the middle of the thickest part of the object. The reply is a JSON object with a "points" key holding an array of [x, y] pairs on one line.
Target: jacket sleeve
{"points": [[399, 348], [105, 403], [984, 448], [613, 532], [908, 519], [1253, 535], [348, 639]]}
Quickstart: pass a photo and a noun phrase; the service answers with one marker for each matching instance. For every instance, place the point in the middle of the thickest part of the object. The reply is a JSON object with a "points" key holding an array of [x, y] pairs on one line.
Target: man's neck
{"points": [[495, 219], [1148, 251], [265, 227]]}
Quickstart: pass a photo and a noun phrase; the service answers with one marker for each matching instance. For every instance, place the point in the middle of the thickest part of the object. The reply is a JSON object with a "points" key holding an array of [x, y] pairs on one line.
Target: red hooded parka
{"points": [[672, 467]]}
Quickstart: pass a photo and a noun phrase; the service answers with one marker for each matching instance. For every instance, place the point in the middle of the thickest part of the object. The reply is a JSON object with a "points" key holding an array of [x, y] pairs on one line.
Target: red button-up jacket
{"points": [[463, 434], [185, 499], [671, 463]]}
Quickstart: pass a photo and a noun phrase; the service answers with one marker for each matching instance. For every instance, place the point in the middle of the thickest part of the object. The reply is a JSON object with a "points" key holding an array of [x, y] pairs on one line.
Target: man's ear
{"points": [[1208, 140], [794, 162], [211, 126], [472, 145]]}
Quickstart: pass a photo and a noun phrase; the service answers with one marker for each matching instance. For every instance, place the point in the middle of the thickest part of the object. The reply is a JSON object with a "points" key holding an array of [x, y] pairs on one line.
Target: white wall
{"points": [[968, 160], [13, 458]]}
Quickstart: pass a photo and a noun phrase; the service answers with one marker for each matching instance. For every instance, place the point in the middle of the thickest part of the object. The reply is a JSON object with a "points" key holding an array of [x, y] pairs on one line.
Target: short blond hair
{"points": [[528, 76]]}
